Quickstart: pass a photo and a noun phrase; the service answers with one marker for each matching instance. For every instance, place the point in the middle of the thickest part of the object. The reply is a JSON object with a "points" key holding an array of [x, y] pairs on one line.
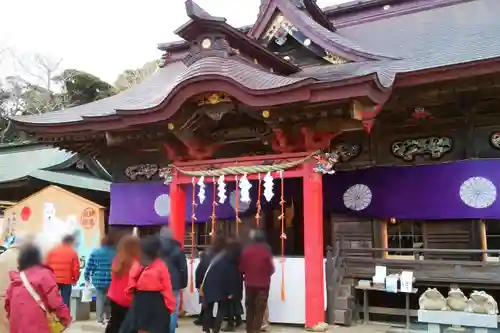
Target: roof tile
{"points": [[18, 162], [443, 36]]}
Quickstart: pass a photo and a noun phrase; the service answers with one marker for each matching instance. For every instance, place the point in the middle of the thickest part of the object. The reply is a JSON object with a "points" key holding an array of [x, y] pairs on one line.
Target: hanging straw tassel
{"points": [[257, 215], [214, 204], [283, 236], [283, 279], [236, 203], [193, 219]]}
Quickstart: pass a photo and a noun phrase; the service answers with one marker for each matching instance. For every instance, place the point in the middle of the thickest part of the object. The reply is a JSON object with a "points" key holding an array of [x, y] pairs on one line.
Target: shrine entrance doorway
{"points": [[310, 306]]}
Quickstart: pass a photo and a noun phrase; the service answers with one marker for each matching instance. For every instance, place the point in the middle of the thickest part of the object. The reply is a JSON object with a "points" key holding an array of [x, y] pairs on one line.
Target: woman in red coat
{"points": [[150, 285], [24, 312], [127, 252]]}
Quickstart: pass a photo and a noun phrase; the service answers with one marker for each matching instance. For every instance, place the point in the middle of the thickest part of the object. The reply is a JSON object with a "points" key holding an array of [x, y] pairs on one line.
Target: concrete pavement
{"points": [[186, 326]]}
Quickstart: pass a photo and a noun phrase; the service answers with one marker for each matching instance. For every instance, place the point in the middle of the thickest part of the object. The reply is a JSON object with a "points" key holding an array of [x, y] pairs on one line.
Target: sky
{"points": [[105, 37]]}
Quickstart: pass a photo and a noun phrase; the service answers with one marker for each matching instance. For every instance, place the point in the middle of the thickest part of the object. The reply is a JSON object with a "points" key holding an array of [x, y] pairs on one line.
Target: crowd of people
{"points": [[138, 283]]}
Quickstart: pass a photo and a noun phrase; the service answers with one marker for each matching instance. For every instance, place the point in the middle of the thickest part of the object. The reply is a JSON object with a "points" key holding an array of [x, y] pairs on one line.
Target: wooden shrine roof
{"points": [[422, 41], [23, 161], [156, 89], [331, 41]]}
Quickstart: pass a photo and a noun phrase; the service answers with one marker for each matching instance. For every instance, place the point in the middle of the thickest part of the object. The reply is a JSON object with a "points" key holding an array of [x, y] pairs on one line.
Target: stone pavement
{"points": [[186, 326]]}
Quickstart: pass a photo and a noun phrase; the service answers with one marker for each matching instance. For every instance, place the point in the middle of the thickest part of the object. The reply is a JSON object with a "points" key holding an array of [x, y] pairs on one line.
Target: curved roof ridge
{"points": [[250, 76], [103, 107], [153, 91]]}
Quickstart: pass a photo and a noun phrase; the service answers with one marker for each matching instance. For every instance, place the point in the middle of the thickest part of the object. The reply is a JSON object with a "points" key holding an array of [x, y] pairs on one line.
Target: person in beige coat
{"points": [[8, 262]]}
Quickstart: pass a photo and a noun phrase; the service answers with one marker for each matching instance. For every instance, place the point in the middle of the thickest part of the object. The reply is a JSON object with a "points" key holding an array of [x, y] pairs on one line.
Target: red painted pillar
{"points": [[313, 245], [177, 219]]}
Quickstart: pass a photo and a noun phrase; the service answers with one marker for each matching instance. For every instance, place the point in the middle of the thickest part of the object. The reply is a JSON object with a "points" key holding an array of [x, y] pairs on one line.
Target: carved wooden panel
{"points": [[487, 141], [138, 167], [420, 145], [356, 147]]}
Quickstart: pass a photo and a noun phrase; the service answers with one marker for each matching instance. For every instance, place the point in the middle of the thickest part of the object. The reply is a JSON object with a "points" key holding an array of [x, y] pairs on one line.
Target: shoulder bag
{"points": [[55, 325], [212, 263]]}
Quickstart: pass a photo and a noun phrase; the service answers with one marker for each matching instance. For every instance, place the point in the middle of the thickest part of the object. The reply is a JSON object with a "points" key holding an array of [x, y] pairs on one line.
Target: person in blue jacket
{"points": [[98, 273]]}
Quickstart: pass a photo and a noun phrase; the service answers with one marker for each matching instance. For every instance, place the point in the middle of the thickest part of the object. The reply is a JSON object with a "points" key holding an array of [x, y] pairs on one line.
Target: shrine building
{"points": [[369, 130]]}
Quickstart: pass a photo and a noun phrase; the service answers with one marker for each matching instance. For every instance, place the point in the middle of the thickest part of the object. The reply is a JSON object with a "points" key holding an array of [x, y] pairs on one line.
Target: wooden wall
{"points": [[470, 122], [462, 234], [354, 232]]}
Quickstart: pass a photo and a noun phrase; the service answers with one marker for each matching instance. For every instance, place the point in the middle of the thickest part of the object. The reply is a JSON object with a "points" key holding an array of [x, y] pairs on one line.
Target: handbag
{"points": [[55, 325], [134, 290], [87, 294], [213, 262]]}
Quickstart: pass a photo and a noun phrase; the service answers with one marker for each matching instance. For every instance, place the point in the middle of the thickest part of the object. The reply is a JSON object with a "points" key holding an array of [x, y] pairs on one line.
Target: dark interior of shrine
{"points": [[270, 221]]}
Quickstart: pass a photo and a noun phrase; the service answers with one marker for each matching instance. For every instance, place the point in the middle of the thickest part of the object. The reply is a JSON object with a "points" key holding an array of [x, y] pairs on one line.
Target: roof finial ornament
{"points": [[195, 12]]}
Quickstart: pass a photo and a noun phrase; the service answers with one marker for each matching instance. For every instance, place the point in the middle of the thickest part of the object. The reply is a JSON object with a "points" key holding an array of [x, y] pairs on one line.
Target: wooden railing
{"points": [[360, 264], [417, 252]]}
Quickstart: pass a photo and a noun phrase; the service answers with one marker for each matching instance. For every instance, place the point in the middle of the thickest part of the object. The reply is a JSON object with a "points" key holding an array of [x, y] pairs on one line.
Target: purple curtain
{"points": [[149, 203], [456, 190]]}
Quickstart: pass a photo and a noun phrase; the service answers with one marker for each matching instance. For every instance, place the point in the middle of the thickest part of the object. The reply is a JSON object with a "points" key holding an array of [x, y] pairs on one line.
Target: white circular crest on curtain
{"points": [[242, 206], [478, 192], [357, 197], [162, 205]]}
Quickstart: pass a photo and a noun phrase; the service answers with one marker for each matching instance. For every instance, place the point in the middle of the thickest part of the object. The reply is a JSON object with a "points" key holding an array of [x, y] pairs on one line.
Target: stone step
{"points": [[349, 281], [345, 290], [345, 303], [343, 317]]}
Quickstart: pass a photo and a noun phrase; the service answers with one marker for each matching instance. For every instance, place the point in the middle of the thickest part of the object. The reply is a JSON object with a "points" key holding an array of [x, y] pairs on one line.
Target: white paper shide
{"points": [[245, 187], [221, 189], [268, 187]]}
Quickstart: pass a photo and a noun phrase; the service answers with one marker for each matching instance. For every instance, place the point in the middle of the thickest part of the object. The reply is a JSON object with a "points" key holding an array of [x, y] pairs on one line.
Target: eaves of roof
{"points": [[21, 161], [72, 179], [18, 163], [159, 97], [152, 92], [92, 164]]}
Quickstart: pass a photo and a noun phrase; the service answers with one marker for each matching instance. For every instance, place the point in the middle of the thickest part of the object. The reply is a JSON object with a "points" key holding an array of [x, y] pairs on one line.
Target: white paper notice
{"points": [[380, 271], [391, 283], [380, 274], [406, 280]]}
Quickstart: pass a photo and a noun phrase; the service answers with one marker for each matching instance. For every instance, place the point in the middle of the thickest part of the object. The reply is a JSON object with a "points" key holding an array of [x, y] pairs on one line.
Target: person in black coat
{"points": [[205, 258], [235, 309], [220, 284]]}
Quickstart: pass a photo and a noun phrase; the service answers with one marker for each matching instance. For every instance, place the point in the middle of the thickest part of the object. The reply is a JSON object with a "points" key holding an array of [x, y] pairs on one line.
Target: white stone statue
{"points": [[432, 299], [456, 300], [481, 302]]}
